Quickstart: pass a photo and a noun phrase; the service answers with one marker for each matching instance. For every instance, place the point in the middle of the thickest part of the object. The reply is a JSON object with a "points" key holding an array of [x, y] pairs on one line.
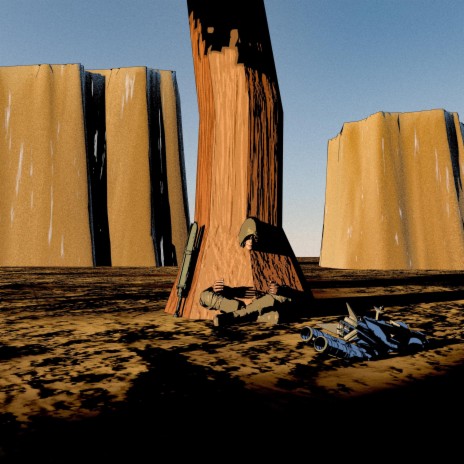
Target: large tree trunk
{"points": [[239, 169]]}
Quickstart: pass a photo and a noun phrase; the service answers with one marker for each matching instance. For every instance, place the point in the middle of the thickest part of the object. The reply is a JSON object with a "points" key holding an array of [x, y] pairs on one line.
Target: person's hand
{"points": [[273, 287], [218, 285]]}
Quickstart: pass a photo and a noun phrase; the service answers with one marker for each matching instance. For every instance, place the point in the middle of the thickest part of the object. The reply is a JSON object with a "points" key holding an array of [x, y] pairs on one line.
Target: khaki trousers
{"points": [[260, 305]]}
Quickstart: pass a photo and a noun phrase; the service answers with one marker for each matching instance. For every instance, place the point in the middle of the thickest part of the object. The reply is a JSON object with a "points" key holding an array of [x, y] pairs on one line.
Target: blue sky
{"points": [[337, 61]]}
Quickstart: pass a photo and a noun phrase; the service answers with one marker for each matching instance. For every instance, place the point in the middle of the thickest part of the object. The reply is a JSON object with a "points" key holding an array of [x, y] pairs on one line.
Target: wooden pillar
{"points": [[239, 168]]}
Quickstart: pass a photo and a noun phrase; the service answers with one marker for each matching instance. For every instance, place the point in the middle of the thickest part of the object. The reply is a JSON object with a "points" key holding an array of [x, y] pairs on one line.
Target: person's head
{"points": [[248, 234], [249, 242]]}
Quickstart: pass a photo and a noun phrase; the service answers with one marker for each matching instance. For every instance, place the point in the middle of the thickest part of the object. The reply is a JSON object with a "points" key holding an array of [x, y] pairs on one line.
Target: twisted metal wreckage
{"points": [[364, 338]]}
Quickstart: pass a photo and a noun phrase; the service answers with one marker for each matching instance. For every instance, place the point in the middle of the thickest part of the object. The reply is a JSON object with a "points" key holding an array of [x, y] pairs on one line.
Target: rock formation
{"points": [[59, 204], [44, 216], [147, 199], [239, 169], [394, 196]]}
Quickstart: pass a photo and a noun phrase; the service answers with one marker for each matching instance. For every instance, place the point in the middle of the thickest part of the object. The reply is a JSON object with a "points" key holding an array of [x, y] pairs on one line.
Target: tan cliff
{"points": [[393, 195], [83, 180], [44, 218], [147, 200]]}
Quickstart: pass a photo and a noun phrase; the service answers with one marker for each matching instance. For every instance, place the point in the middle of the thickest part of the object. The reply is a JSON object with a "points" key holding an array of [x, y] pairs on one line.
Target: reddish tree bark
{"points": [[239, 168]]}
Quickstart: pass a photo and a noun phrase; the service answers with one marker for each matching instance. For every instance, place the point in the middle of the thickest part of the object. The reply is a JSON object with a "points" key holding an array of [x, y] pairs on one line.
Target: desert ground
{"points": [[92, 369]]}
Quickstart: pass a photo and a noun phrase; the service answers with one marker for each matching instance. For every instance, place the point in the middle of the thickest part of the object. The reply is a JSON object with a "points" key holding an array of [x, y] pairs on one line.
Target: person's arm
{"points": [[273, 287], [276, 289], [218, 286]]}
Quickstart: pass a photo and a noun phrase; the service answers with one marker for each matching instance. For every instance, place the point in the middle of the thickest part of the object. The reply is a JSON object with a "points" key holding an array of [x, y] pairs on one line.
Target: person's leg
{"points": [[261, 304], [213, 300], [267, 303], [263, 309]]}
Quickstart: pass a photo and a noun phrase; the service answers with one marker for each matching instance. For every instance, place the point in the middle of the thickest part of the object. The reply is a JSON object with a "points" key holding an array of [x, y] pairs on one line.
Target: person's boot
{"points": [[223, 319], [236, 317]]}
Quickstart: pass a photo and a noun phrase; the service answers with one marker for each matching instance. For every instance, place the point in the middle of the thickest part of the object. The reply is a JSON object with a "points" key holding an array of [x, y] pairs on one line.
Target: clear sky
{"points": [[336, 60]]}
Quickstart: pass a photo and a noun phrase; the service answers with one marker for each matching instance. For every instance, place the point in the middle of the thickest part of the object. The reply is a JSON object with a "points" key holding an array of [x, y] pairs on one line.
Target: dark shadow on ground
{"points": [[177, 410], [362, 304]]}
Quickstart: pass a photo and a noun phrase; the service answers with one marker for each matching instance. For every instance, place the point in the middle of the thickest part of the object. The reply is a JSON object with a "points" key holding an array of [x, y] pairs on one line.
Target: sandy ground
{"points": [[93, 370]]}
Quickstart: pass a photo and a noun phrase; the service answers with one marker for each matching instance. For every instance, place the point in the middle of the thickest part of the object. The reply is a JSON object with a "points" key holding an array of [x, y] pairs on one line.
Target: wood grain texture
{"points": [[239, 169]]}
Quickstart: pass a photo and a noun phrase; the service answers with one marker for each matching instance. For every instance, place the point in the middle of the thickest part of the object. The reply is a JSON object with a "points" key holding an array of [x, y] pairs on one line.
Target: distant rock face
{"points": [[44, 218], [85, 160], [394, 196], [147, 198]]}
